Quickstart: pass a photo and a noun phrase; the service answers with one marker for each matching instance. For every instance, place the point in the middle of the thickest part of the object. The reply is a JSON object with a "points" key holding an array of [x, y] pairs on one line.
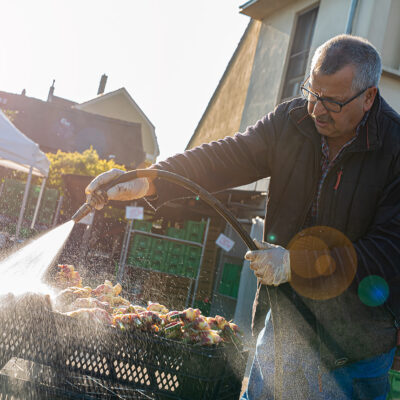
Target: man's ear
{"points": [[369, 98]]}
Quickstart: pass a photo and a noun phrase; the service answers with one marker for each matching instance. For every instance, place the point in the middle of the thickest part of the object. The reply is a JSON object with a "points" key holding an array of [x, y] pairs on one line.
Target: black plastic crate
{"points": [[150, 362], [26, 380], [122, 361]]}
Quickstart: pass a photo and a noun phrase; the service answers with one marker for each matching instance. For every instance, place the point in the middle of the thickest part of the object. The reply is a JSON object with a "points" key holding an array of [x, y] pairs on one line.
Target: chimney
{"points": [[102, 84], [51, 92]]}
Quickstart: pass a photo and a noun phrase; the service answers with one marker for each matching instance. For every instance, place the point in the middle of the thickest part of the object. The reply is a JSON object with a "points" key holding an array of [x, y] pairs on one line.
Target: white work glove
{"points": [[271, 264], [131, 190]]}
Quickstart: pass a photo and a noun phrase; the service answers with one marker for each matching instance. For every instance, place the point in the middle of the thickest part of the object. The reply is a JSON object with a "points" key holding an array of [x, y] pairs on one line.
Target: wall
{"points": [[390, 90], [223, 114], [270, 59], [378, 22]]}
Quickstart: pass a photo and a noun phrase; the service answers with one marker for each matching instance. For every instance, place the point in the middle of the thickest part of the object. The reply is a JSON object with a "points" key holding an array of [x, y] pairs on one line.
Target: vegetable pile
{"points": [[104, 304]]}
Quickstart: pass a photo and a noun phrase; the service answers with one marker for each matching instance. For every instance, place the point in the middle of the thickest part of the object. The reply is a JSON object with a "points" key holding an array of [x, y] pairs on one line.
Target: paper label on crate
{"points": [[132, 212], [224, 242], [87, 219]]}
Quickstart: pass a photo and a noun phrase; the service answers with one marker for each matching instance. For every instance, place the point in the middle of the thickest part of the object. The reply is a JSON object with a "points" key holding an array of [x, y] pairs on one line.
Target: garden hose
{"points": [[208, 198]]}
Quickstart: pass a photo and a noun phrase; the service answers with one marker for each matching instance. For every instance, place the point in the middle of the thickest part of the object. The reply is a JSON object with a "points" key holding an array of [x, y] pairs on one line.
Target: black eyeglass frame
{"points": [[322, 100]]}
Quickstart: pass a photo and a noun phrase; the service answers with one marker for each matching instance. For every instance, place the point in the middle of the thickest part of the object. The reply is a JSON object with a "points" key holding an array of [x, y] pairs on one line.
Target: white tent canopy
{"points": [[19, 152]]}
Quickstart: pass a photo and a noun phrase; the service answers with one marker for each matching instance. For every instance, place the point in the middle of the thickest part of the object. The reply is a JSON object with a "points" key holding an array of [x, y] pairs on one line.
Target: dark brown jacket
{"points": [[365, 206]]}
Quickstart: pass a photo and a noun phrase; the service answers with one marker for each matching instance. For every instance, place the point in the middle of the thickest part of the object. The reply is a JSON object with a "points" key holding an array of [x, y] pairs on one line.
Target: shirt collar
{"points": [[324, 142]]}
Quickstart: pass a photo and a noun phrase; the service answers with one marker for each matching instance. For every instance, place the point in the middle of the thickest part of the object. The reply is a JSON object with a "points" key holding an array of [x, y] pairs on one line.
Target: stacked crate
{"points": [[175, 252], [11, 200], [158, 254], [192, 261], [161, 254], [193, 232], [140, 246], [11, 197]]}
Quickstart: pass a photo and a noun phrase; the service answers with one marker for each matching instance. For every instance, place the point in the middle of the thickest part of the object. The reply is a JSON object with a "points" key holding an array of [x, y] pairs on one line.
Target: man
{"points": [[334, 161]]}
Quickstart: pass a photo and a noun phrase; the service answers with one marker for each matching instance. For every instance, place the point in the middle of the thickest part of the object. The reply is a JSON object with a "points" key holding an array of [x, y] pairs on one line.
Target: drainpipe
{"points": [[350, 18]]}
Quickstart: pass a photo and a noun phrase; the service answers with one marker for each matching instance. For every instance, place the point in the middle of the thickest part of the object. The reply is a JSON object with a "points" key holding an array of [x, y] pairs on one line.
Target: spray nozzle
{"points": [[83, 210], [98, 197]]}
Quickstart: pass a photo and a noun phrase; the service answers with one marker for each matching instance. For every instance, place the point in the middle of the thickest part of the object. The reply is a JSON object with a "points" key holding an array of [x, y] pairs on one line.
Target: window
{"points": [[299, 53]]}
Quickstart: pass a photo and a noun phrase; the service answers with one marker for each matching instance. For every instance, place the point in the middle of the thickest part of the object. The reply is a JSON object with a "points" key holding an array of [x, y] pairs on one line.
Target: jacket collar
{"points": [[367, 140]]}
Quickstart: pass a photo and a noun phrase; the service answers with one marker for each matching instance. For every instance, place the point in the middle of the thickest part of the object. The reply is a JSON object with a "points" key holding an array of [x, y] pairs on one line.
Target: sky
{"points": [[169, 55]]}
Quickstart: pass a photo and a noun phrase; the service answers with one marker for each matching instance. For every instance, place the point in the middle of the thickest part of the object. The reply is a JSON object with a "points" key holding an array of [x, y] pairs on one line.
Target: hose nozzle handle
{"points": [[88, 207], [83, 210]]}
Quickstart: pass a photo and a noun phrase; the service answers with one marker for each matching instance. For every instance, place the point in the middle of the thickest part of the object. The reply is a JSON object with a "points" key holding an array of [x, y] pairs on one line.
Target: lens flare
{"points": [[373, 291], [325, 265], [307, 254], [323, 262]]}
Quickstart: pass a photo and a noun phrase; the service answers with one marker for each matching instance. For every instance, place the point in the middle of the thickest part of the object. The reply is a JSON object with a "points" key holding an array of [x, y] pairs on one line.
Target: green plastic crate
{"points": [[141, 225], [157, 261], [194, 231], [192, 261], [190, 271], [193, 252], [11, 197], [11, 200], [176, 249], [204, 307], [175, 264], [139, 251], [159, 246], [158, 254], [176, 233], [140, 242], [139, 259], [394, 379]]}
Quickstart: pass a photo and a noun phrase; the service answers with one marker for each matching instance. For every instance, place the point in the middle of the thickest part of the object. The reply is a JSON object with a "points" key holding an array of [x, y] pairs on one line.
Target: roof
{"points": [[260, 9], [62, 102], [105, 96], [122, 91], [56, 126]]}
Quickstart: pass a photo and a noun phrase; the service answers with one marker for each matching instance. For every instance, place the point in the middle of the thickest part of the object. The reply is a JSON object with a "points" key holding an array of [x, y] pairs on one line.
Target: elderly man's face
{"points": [[337, 87]]}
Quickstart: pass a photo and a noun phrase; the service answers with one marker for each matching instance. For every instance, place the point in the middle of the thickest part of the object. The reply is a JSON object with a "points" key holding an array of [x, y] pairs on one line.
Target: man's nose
{"points": [[319, 108]]}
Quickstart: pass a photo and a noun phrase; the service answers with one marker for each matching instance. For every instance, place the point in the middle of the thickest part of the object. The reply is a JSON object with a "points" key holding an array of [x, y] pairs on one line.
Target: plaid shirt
{"points": [[326, 166]]}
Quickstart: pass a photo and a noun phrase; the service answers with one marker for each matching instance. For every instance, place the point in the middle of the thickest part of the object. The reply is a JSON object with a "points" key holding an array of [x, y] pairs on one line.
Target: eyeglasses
{"points": [[330, 105]]}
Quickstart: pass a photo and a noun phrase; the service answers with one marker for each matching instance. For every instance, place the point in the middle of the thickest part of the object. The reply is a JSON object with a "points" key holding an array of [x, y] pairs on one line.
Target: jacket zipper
{"points": [[311, 197], [339, 177]]}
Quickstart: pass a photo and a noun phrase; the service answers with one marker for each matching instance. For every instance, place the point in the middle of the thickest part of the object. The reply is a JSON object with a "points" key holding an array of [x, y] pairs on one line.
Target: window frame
{"points": [[290, 56]]}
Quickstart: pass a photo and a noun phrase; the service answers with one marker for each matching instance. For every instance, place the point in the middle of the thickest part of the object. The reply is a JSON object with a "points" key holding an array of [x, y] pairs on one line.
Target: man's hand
{"points": [[271, 264], [131, 190]]}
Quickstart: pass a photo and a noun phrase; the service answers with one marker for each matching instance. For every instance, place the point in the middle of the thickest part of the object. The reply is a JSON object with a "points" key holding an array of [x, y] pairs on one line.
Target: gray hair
{"points": [[344, 50]]}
